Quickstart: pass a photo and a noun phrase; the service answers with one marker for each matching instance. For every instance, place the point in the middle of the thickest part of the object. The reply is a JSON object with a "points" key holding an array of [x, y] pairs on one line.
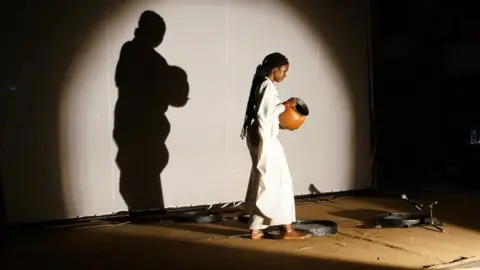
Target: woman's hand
{"points": [[292, 102]]}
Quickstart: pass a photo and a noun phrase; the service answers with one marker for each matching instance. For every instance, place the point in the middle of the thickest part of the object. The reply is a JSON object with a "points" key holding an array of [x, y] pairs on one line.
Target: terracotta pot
{"points": [[294, 117]]}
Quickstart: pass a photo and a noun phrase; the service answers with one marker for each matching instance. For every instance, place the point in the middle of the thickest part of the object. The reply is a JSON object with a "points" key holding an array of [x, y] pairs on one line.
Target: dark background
{"points": [[426, 80]]}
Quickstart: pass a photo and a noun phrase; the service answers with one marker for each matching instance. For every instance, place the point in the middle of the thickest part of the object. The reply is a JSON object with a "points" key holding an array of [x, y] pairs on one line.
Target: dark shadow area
{"points": [[3, 210], [147, 86], [112, 249], [252, 141], [426, 90], [3, 215], [220, 229], [335, 24], [39, 42]]}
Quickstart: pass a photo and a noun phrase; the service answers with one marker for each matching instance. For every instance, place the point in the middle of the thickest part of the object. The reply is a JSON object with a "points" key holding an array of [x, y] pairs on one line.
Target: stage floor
{"points": [[166, 245]]}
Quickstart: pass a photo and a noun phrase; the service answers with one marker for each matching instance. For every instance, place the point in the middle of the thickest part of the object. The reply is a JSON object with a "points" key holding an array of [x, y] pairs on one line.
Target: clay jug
{"points": [[294, 117]]}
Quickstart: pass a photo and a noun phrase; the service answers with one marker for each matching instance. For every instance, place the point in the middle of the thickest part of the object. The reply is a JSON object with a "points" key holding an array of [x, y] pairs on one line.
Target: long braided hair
{"points": [[270, 62]]}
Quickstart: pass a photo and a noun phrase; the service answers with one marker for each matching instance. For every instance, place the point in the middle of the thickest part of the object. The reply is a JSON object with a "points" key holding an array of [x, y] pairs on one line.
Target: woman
{"points": [[270, 199]]}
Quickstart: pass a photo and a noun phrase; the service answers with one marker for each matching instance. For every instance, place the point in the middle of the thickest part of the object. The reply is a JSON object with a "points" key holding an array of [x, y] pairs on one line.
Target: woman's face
{"points": [[280, 73]]}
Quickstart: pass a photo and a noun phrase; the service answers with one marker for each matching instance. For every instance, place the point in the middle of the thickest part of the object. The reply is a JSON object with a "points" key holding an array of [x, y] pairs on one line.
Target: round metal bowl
{"points": [[314, 227], [400, 220]]}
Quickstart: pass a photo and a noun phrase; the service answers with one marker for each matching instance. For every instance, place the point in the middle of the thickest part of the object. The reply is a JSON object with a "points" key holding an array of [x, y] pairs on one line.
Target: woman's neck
{"points": [[270, 77]]}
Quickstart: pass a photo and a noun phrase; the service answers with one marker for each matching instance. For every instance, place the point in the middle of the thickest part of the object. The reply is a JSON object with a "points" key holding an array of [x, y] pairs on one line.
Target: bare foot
{"points": [[292, 234], [256, 234]]}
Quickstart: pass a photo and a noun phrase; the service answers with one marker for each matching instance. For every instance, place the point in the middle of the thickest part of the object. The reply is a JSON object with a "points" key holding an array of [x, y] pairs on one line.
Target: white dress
{"points": [[270, 197]]}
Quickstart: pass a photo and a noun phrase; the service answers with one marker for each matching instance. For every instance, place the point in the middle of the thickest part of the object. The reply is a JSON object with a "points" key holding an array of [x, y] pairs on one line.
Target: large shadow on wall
{"points": [[38, 46], [337, 25], [147, 86]]}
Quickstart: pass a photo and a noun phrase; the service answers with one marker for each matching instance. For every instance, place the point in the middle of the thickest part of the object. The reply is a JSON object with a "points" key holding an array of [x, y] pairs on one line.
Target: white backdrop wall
{"points": [[58, 155]]}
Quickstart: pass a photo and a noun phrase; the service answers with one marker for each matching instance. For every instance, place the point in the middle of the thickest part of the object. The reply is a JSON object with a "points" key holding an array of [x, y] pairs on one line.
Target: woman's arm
{"points": [[270, 107]]}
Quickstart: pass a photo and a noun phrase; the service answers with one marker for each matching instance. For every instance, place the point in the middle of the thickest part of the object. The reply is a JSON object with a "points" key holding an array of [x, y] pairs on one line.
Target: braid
{"points": [[250, 112], [270, 62]]}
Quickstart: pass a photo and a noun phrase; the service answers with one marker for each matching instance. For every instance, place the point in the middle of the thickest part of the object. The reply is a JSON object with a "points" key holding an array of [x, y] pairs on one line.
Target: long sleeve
{"points": [[269, 109], [280, 108]]}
